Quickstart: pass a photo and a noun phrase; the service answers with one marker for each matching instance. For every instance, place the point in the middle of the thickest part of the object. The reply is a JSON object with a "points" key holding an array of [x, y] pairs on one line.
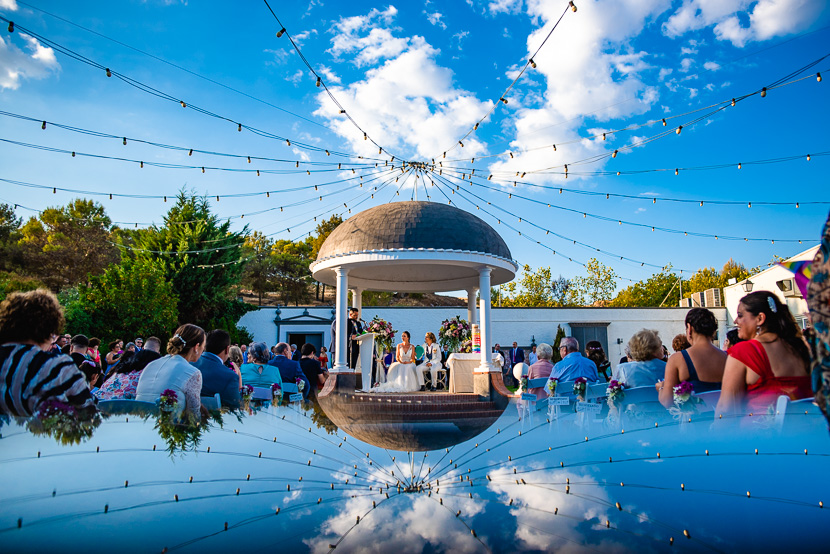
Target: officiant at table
{"points": [[432, 361]]}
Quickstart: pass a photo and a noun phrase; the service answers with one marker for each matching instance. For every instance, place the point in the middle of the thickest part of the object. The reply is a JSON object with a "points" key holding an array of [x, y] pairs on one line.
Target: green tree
{"points": [[536, 289], [596, 288], [129, 298], [661, 289], [259, 267], [11, 256], [64, 245], [560, 334], [324, 229], [200, 257]]}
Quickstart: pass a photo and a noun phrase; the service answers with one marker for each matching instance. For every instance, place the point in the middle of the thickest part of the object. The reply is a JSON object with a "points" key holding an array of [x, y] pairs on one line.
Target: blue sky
{"points": [[416, 77]]}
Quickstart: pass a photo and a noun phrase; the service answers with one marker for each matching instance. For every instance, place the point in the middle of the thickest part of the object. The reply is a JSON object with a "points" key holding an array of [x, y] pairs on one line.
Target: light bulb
{"points": [[43, 126], [532, 63], [503, 99], [680, 128], [740, 166], [249, 159], [572, 5], [141, 164], [217, 199], [190, 153], [701, 203], [124, 141], [239, 128], [560, 191], [750, 204], [490, 178], [818, 76], [653, 200], [281, 32], [328, 153], [109, 73], [566, 168], [676, 172], [614, 155], [182, 103], [733, 102], [554, 148], [257, 173], [54, 190], [287, 142], [319, 82], [365, 136], [523, 174], [11, 26], [267, 194], [461, 143], [603, 136], [808, 157], [472, 161], [475, 127], [342, 111], [297, 164], [664, 122], [618, 173], [764, 92], [511, 154], [165, 199], [203, 169]]}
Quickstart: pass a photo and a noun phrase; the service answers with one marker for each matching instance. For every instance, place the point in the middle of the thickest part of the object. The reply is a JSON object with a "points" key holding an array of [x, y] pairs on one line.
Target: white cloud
{"points": [[299, 38], [16, 65], [692, 92], [505, 6], [685, 64], [664, 72], [278, 56], [687, 51], [599, 70], [711, 66], [766, 18], [328, 75], [460, 36], [10, 5], [296, 77], [408, 103], [435, 19]]}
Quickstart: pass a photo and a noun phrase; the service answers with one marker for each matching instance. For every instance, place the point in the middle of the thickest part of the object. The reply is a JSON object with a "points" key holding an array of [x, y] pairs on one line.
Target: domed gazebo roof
{"points": [[416, 247]]}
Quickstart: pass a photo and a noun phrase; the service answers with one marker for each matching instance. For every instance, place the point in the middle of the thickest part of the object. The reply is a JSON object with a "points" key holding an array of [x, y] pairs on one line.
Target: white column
{"points": [[341, 364], [357, 300], [484, 314], [472, 313]]}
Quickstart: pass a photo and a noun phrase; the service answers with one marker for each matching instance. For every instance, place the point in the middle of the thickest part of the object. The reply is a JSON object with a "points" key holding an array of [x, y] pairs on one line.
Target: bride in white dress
{"points": [[402, 376]]}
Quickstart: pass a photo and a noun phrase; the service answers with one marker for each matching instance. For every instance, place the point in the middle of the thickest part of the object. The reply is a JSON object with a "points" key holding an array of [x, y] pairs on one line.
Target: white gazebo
{"points": [[414, 247]]}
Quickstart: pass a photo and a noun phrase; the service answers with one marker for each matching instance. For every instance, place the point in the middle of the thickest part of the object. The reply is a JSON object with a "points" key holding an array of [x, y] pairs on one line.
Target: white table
{"points": [[462, 367]]}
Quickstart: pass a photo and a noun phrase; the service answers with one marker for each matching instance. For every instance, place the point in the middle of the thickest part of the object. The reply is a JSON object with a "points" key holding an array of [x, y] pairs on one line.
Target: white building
{"points": [[777, 280], [611, 326]]}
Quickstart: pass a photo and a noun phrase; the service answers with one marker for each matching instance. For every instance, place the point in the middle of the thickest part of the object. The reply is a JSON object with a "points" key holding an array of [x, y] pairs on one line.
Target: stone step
{"points": [[449, 416]]}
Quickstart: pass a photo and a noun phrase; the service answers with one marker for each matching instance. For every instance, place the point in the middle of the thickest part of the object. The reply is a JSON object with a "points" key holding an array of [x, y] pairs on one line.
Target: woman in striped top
{"points": [[29, 373]]}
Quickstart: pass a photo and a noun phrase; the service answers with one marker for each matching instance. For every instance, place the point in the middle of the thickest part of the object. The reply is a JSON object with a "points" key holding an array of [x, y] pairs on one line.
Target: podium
{"points": [[366, 343]]}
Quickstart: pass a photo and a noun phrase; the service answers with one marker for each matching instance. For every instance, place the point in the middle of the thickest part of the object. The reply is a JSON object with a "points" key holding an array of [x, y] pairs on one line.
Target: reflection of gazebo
{"points": [[414, 247]]}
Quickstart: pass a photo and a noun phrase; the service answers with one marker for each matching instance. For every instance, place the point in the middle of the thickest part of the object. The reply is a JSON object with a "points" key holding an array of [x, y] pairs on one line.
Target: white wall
{"points": [[509, 324], [766, 280]]}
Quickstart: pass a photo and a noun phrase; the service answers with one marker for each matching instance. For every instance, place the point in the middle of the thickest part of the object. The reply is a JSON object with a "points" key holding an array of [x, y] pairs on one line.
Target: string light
{"points": [[109, 73], [43, 126], [614, 155], [11, 26], [319, 81], [532, 64], [818, 76], [664, 122], [764, 92], [679, 128], [503, 100], [182, 103], [281, 32]]}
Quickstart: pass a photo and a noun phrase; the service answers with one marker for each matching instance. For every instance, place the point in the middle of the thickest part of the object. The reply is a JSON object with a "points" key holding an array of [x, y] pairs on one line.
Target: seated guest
{"points": [[29, 372], [647, 365], [701, 364], [175, 371], [595, 353], [731, 339], [123, 381], [573, 363], [773, 359], [542, 368], [681, 341], [312, 369], [217, 378], [114, 355], [432, 361], [235, 357], [258, 372], [290, 370], [78, 347]]}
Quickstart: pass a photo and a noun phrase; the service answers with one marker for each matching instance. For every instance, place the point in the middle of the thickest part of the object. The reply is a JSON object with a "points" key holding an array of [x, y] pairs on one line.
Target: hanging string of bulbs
{"points": [[503, 98], [158, 93], [320, 83]]}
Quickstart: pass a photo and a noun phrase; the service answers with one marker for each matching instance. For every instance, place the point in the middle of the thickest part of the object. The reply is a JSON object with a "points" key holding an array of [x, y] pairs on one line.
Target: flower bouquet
{"points": [[615, 392], [300, 384], [384, 335], [64, 422], [276, 394], [580, 386], [523, 385], [551, 386], [246, 393], [168, 401], [685, 401], [454, 333]]}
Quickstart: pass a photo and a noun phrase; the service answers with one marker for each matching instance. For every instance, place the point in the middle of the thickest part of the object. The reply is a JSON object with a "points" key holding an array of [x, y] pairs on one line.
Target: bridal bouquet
{"points": [[168, 400], [551, 386], [385, 335], [580, 385], [454, 333]]}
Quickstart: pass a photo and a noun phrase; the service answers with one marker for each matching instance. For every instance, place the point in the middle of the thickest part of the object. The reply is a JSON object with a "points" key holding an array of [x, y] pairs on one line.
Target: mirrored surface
{"points": [[286, 478]]}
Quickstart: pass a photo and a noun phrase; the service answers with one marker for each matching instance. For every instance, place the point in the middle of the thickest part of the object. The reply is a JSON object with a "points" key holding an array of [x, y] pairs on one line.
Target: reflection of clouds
{"points": [[542, 530], [402, 524]]}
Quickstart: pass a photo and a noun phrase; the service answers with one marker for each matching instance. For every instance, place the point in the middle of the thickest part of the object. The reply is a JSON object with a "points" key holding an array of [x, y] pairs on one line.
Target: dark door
{"points": [[301, 338], [586, 333]]}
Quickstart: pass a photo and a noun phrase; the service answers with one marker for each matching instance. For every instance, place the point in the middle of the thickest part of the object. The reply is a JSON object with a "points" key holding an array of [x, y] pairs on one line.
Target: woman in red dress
{"points": [[772, 361]]}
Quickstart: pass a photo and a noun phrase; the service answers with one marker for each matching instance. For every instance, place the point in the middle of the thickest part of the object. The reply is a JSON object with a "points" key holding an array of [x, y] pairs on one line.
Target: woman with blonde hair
{"points": [[175, 372], [647, 366]]}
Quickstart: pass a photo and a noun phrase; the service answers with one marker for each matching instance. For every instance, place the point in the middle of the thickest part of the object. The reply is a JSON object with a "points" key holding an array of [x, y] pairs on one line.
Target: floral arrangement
{"points": [[615, 391], [454, 333], [168, 400], [384, 333], [64, 422], [276, 394], [524, 384], [300, 384], [551, 386], [580, 385], [247, 392], [684, 398]]}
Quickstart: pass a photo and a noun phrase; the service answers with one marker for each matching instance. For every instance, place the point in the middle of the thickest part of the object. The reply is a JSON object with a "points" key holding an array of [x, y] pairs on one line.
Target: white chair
{"points": [[596, 390], [262, 393], [212, 403], [537, 383]]}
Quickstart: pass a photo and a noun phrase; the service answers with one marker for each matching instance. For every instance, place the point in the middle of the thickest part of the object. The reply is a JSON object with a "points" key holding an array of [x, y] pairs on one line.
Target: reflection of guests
{"points": [[573, 363], [541, 368], [355, 329], [646, 366], [174, 371], [431, 362], [29, 373], [217, 378], [290, 370], [258, 372], [773, 359]]}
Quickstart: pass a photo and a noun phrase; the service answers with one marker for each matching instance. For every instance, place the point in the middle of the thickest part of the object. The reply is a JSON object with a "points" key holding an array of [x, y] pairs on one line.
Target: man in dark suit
{"points": [[517, 356], [355, 329], [216, 377], [289, 369]]}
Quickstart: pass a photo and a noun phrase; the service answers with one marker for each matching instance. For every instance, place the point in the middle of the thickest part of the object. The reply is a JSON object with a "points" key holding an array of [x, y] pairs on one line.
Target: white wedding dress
{"points": [[402, 377]]}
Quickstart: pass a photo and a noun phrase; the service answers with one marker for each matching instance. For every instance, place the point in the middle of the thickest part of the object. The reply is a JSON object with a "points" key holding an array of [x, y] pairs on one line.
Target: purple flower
{"points": [[580, 380], [685, 387]]}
